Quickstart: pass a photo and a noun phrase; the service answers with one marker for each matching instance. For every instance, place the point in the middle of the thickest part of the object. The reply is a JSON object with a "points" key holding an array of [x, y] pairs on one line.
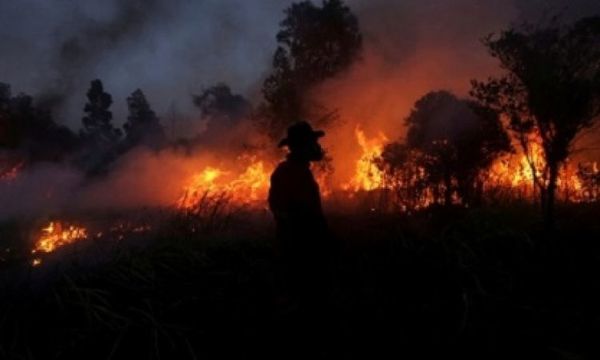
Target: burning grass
{"points": [[248, 187], [219, 189], [56, 235]]}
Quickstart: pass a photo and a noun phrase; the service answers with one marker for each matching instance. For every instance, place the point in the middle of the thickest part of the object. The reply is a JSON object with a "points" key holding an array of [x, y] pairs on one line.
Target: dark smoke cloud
{"points": [[82, 48], [170, 49], [173, 48]]}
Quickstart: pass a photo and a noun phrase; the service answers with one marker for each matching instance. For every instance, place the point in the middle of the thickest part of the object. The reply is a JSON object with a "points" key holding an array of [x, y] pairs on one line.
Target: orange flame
{"points": [[56, 235], [516, 172], [367, 175], [249, 186]]}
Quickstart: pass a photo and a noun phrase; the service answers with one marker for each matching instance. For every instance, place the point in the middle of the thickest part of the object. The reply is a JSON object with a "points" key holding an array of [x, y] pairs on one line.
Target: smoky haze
{"points": [[170, 49], [412, 48], [174, 48]]}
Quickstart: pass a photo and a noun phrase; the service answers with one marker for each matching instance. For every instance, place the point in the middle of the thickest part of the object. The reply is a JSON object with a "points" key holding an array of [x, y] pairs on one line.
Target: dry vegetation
{"points": [[479, 283]]}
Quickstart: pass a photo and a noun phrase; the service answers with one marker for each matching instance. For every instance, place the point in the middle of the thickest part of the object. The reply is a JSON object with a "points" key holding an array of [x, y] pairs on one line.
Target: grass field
{"points": [[473, 283]]}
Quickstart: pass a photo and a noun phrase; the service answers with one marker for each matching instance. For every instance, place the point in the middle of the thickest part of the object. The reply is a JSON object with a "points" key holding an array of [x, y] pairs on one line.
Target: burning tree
{"points": [[403, 177], [315, 43], [589, 175], [550, 88], [455, 141]]}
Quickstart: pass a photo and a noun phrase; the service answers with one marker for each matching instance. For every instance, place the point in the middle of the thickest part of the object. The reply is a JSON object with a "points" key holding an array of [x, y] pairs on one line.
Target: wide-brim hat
{"points": [[300, 132]]}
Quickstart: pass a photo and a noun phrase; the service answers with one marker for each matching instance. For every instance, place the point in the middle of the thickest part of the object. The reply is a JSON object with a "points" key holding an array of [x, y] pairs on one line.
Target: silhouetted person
{"points": [[295, 201]]}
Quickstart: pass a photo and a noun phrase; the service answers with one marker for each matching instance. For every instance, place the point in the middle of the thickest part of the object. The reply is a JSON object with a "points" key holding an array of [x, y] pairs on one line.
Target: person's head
{"points": [[303, 142]]}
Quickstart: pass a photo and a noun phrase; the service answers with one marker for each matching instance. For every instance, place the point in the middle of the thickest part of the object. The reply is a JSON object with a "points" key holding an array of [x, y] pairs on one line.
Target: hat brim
{"points": [[315, 135]]}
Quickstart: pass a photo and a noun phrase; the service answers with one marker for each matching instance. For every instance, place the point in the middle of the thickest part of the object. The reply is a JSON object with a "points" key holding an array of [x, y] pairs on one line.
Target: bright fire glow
{"points": [[56, 235], [367, 175], [516, 172], [249, 186]]}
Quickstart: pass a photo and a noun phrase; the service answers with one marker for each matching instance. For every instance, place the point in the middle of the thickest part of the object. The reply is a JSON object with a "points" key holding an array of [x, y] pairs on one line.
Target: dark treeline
{"points": [[315, 43], [449, 143], [29, 134]]}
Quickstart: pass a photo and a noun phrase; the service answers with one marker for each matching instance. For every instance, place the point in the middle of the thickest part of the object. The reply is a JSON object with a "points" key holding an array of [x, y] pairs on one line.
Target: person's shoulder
{"points": [[287, 169], [280, 170], [281, 167]]}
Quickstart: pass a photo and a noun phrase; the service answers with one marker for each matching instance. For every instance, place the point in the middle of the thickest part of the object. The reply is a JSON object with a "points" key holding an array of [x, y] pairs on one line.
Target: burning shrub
{"points": [[589, 175], [450, 142], [403, 178], [550, 87]]}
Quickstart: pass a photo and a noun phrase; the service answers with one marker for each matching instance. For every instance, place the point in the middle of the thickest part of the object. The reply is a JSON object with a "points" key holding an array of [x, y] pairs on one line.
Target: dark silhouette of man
{"points": [[295, 201]]}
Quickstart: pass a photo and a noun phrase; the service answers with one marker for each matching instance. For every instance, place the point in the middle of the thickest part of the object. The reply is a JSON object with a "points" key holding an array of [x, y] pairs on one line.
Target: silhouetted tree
{"points": [[143, 126], [221, 108], [551, 87], [457, 139], [100, 138], [218, 101], [315, 43], [29, 132], [97, 123], [7, 138], [404, 177]]}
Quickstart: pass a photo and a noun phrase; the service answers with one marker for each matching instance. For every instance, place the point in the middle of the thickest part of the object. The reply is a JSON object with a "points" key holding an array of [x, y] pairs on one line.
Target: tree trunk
{"points": [[478, 196], [447, 190], [549, 200]]}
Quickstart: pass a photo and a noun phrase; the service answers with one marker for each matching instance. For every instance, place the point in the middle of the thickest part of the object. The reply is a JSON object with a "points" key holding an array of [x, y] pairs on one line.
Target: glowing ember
{"points": [[56, 235], [588, 175], [11, 173], [367, 175]]}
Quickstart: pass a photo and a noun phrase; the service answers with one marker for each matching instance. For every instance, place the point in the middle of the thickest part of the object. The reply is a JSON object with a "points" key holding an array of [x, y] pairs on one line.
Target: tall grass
{"points": [[475, 283]]}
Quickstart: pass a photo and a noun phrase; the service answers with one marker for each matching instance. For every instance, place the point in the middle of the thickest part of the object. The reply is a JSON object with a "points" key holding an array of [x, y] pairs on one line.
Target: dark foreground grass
{"points": [[481, 284]]}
